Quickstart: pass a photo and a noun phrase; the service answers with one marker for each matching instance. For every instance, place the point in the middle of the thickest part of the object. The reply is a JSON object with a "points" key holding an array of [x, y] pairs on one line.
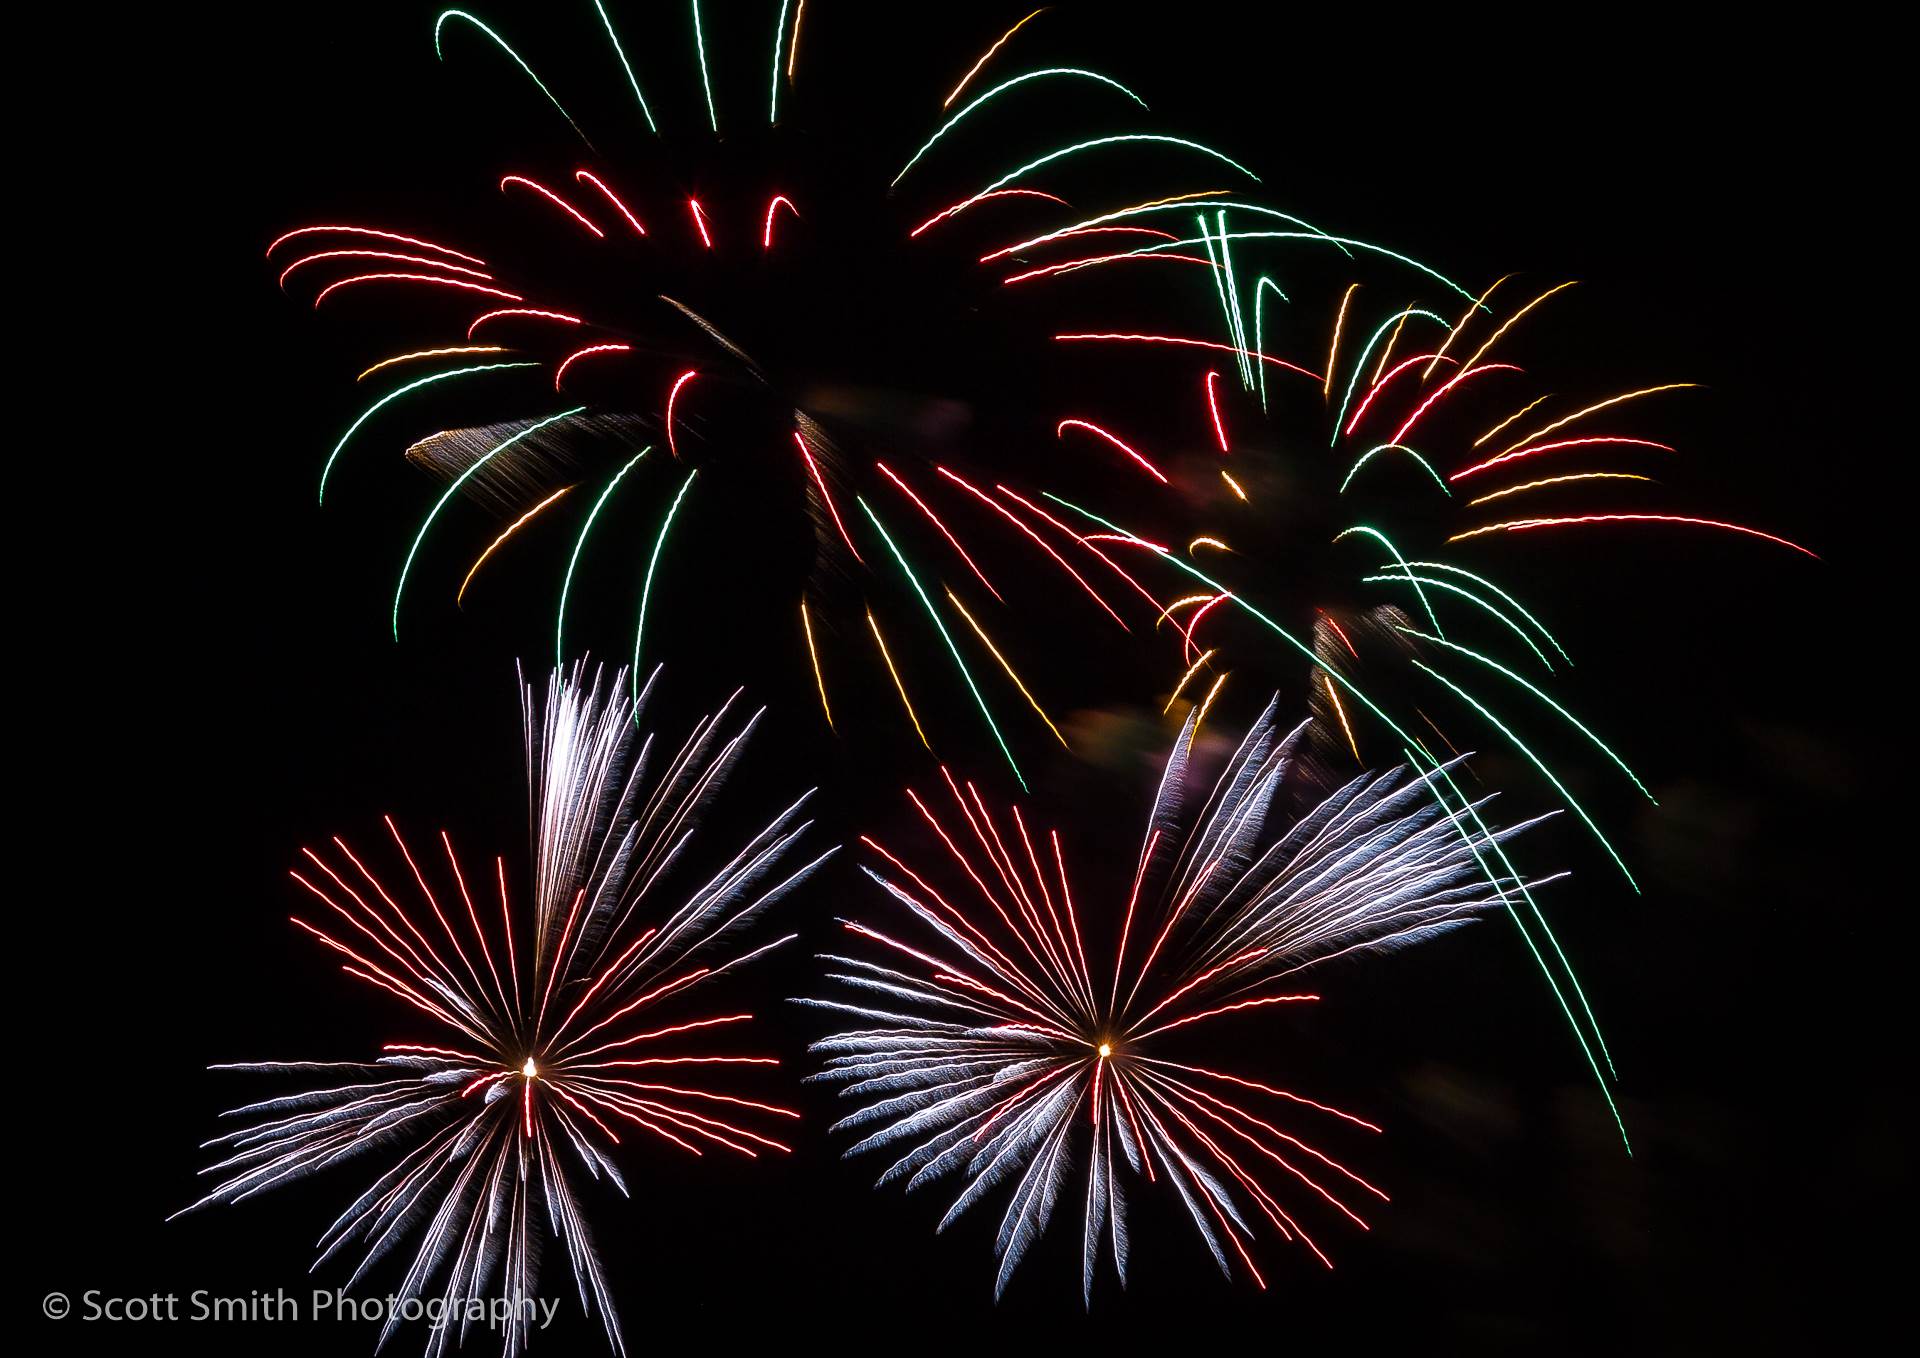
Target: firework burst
{"points": [[559, 1017], [762, 320], [1006, 1042], [1288, 433]]}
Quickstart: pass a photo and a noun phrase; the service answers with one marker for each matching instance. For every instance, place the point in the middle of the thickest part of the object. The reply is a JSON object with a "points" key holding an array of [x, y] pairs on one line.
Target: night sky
{"points": [[218, 685]]}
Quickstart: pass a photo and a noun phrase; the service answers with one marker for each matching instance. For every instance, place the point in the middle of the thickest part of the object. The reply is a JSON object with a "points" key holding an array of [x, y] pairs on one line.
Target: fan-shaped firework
{"points": [[1015, 1043], [1208, 458], [566, 1015]]}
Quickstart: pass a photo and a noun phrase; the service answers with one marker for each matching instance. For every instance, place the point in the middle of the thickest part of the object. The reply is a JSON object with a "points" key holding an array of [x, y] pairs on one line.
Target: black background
{"points": [[212, 684]]}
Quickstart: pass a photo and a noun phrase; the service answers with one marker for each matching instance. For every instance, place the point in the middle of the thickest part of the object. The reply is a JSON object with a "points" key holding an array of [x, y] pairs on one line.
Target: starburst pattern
{"points": [[561, 1020], [1005, 1041]]}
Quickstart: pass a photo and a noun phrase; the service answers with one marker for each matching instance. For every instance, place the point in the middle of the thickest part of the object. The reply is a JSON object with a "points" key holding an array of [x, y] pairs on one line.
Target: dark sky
{"points": [[223, 687]]}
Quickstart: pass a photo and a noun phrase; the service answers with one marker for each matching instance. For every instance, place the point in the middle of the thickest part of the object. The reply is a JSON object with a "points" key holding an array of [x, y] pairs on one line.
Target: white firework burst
{"points": [[560, 1022], [1001, 1044]]}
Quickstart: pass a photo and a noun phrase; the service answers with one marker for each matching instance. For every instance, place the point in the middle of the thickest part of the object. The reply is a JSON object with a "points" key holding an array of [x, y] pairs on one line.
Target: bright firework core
{"points": [[528, 1070], [1106, 1050]]}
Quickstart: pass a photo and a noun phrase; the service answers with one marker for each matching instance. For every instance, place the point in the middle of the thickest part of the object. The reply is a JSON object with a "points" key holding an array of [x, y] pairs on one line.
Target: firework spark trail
{"points": [[566, 583], [545, 1054], [440, 52], [934, 616], [395, 395], [989, 1044], [496, 544], [653, 563], [898, 683], [988, 56], [1048, 72]]}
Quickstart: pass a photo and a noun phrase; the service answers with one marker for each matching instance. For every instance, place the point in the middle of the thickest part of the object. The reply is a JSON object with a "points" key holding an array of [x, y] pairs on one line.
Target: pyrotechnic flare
{"points": [[1015, 1035], [557, 1015]]}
